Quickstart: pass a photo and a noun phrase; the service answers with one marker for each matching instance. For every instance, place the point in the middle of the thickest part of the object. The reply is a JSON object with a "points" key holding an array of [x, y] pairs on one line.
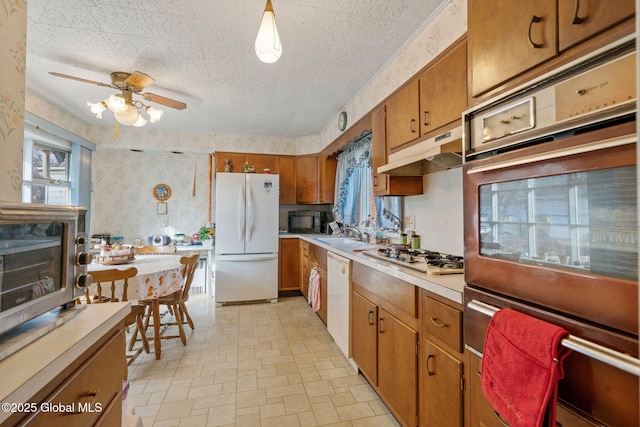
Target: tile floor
{"points": [[253, 365]]}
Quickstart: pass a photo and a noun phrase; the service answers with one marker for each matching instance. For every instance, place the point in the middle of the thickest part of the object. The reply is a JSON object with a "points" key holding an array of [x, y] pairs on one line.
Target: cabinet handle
{"points": [[438, 323], [426, 122], [412, 125], [534, 45], [430, 372], [576, 20], [381, 325], [370, 318]]}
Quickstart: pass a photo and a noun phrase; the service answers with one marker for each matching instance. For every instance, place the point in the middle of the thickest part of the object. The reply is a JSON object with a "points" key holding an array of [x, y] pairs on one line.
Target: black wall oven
{"points": [[550, 199]]}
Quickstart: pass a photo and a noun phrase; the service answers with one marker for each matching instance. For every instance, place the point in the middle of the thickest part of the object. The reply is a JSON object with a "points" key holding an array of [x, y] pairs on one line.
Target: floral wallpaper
{"points": [[122, 199], [13, 29]]}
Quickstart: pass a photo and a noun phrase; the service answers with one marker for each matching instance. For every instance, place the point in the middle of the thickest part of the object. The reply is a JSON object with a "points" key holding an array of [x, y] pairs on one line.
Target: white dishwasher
{"points": [[339, 301]]}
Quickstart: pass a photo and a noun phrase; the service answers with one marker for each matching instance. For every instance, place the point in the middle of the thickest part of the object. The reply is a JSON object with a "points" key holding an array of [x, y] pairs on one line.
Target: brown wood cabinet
{"points": [[403, 121], [385, 338], [281, 165], [443, 89], [318, 259], [286, 168], [289, 265], [383, 184], [579, 20], [307, 178], [258, 161], [96, 383], [305, 268], [441, 369], [364, 336], [315, 179], [509, 38]]}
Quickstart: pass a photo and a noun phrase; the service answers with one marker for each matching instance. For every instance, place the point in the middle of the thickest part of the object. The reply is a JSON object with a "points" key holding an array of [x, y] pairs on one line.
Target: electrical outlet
{"points": [[410, 222]]}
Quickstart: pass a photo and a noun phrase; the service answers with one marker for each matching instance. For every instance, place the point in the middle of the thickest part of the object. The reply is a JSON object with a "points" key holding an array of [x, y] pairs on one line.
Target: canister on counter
{"points": [[415, 242], [403, 239]]}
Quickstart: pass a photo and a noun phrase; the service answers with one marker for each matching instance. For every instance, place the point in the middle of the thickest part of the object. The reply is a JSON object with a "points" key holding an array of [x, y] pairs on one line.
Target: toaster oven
{"points": [[43, 258]]}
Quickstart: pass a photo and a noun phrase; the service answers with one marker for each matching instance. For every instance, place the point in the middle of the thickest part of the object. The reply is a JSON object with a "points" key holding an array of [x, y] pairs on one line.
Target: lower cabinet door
{"points": [[443, 395], [364, 336], [398, 367]]}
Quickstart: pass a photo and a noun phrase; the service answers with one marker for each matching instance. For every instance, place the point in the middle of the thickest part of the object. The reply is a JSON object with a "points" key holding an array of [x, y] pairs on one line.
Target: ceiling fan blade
{"points": [[92, 82], [168, 102], [139, 80]]}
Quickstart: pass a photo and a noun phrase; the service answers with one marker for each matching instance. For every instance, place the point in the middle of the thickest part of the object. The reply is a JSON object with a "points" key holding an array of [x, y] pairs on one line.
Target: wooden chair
{"points": [[136, 316], [175, 302], [155, 250]]}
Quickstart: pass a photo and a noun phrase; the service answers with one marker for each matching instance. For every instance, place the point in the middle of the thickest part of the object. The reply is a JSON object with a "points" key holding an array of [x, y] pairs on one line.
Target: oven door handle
{"points": [[596, 351], [555, 154]]}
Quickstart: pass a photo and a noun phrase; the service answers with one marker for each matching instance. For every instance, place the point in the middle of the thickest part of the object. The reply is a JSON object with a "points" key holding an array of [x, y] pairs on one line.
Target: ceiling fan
{"points": [[123, 105]]}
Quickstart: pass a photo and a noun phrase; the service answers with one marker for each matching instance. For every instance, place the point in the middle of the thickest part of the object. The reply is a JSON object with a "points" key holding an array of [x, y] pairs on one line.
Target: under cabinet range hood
{"points": [[435, 154]]}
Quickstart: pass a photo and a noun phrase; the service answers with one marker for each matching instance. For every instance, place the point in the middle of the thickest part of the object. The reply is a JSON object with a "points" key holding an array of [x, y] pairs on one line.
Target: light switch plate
{"points": [[410, 222]]}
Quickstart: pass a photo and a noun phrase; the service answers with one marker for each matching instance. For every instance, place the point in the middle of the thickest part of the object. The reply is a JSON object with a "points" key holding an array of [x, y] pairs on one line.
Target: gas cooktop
{"points": [[420, 260]]}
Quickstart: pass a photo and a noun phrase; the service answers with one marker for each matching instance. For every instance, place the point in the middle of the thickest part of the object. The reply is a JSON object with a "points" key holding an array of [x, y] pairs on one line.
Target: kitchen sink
{"points": [[346, 243], [339, 240]]}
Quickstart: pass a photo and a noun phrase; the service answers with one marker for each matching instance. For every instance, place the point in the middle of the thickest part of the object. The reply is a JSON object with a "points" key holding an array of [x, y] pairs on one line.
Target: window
{"points": [[46, 174], [574, 221], [353, 182]]}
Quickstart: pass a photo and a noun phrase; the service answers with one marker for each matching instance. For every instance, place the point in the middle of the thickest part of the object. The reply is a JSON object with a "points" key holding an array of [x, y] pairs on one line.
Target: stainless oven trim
{"points": [[596, 351], [555, 154], [620, 48], [526, 126]]}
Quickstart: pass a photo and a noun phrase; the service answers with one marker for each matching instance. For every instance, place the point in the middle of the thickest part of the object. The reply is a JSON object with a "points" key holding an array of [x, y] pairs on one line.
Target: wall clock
{"points": [[342, 121], [162, 192]]}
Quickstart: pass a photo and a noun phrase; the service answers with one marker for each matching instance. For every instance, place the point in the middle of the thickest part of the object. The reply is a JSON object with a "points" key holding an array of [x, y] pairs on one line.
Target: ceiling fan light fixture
{"points": [[129, 116], [116, 103], [154, 114], [267, 46], [140, 122], [97, 108]]}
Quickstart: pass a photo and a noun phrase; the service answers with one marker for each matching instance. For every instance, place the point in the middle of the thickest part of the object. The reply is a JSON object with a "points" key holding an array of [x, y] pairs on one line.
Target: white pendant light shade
{"points": [[140, 122], [268, 46], [116, 103], [129, 116], [154, 114], [97, 108]]}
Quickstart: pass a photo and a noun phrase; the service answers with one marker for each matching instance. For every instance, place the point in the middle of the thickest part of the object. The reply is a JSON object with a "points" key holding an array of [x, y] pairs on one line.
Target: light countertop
{"points": [[27, 371], [449, 286]]}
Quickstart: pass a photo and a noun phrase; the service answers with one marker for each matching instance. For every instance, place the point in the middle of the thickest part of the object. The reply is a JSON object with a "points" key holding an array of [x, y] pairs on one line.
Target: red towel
{"points": [[521, 366]]}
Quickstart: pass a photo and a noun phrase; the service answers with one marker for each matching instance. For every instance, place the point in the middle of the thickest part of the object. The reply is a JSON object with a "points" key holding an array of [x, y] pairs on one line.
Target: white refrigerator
{"points": [[246, 265]]}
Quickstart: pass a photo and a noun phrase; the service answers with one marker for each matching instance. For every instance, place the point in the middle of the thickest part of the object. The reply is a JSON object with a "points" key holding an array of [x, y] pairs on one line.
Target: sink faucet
{"points": [[355, 232]]}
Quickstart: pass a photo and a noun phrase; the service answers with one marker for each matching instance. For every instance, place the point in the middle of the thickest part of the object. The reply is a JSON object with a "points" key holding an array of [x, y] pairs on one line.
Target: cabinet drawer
{"points": [[91, 392], [402, 295], [443, 323]]}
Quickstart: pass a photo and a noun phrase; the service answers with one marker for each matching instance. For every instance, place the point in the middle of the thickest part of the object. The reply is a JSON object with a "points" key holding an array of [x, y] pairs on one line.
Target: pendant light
{"points": [[268, 46]]}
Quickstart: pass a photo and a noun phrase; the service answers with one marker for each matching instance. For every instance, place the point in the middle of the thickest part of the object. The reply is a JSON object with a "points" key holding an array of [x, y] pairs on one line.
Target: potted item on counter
{"points": [[207, 234]]}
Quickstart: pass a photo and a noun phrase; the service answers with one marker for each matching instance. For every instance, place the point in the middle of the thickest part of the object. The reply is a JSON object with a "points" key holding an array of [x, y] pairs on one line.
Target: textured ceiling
{"points": [[201, 52]]}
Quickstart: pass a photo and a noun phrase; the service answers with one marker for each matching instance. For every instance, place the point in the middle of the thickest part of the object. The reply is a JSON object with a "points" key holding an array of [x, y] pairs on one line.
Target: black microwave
{"points": [[305, 221]]}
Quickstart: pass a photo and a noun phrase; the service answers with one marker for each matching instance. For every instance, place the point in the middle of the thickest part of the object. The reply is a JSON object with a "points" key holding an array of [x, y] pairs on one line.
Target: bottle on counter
{"points": [[415, 241]]}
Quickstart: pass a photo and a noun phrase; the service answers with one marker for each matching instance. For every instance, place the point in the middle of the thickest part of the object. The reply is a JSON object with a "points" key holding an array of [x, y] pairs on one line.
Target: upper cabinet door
{"points": [[581, 19], [402, 116], [508, 37], [443, 90]]}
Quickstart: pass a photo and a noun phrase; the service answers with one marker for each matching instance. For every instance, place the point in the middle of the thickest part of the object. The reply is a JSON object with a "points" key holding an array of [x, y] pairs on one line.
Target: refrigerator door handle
{"points": [[251, 214], [241, 217]]}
